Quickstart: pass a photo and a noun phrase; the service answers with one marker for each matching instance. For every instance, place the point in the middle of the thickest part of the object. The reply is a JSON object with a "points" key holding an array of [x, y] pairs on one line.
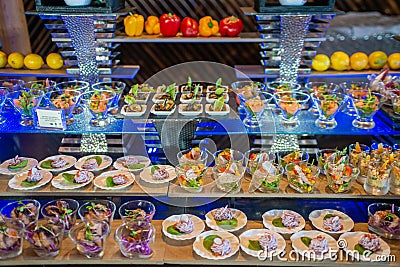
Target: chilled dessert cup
{"points": [[55, 211], [46, 238], [328, 103], [87, 211], [233, 155], [130, 219], [135, 243], [65, 99], [348, 88], [98, 102], [12, 236], [302, 182], [24, 101], [3, 93], [266, 178], [81, 86], [26, 214], [117, 87], [255, 156], [246, 89], [183, 159], [191, 176], [227, 181], [381, 220], [378, 178], [338, 180], [366, 104], [90, 244], [290, 104], [395, 181]]}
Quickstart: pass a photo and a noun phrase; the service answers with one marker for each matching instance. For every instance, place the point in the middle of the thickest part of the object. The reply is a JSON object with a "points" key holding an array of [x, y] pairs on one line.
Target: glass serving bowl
{"points": [[348, 88], [286, 157], [12, 237], [26, 210], [46, 238], [302, 176], [256, 156], [229, 176], [254, 108], [315, 87], [117, 87], [328, 102], [366, 104], [267, 177], [226, 155], [24, 101], [191, 176], [98, 102], [246, 89], [81, 86], [290, 104], [137, 213], [90, 238], [135, 243], [98, 210], [382, 218], [63, 210], [281, 86], [340, 176], [193, 155], [65, 99], [3, 98]]}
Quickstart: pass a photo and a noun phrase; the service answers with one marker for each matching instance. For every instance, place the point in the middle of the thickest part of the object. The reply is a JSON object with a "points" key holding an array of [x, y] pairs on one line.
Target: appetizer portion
{"points": [[17, 163], [135, 242], [114, 180], [72, 179], [185, 225], [302, 177], [226, 155], [218, 85], [93, 163], [219, 247], [159, 173], [191, 176], [216, 245], [218, 107], [285, 222], [384, 220], [182, 227], [256, 241], [267, 177], [131, 163], [101, 210], [228, 176], [57, 163], [80, 177], [11, 238], [46, 238], [369, 242], [63, 210], [318, 244], [314, 245]]}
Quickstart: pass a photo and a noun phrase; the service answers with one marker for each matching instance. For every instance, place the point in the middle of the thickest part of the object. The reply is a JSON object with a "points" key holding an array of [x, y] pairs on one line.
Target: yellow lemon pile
{"points": [[17, 60]]}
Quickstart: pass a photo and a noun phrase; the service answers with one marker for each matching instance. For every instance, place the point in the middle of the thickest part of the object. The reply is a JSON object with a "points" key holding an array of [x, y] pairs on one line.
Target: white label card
{"points": [[51, 118]]}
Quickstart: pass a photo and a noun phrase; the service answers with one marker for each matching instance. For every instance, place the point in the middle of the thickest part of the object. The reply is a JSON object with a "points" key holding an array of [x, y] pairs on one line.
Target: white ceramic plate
{"points": [[200, 250], [270, 215], [69, 159], [16, 181], [100, 181], [105, 163], [159, 101], [217, 113], [190, 113], [212, 100], [350, 239], [133, 114], [211, 86], [60, 183], [147, 176], [6, 171], [142, 160], [188, 101], [171, 220], [254, 234], [303, 250], [162, 113], [239, 215], [317, 219]]}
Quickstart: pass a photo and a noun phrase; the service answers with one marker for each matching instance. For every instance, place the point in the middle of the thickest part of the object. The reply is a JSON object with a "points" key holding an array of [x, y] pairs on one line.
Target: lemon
{"points": [[377, 60], [394, 61], [359, 61], [320, 62], [3, 59], [16, 60], [54, 61], [33, 61], [340, 61]]}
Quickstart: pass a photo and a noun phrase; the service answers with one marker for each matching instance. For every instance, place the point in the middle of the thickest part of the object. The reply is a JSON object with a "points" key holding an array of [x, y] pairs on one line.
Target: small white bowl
{"points": [[78, 2]]}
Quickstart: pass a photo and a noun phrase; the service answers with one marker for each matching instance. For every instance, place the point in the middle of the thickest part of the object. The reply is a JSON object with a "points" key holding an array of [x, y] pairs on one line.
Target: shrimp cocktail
{"points": [[290, 103], [24, 101], [115, 86], [65, 99], [98, 103], [366, 104], [246, 90]]}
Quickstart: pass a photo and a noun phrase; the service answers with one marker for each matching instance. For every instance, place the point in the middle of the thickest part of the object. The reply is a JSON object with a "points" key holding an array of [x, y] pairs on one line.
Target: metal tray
{"points": [[275, 71], [275, 53], [273, 63], [102, 71], [65, 35], [272, 45], [105, 63]]}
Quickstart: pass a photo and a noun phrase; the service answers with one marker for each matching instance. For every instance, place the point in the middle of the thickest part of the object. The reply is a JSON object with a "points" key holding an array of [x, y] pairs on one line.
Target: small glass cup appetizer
{"points": [[11, 237], [137, 213], [302, 176], [27, 211], [98, 210], [255, 107], [256, 156], [290, 104], [357, 151], [395, 181], [65, 99], [267, 177], [286, 157], [135, 243], [348, 88], [228, 176], [328, 102], [245, 90], [98, 102], [193, 155], [383, 220], [378, 177], [380, 151], [90, 238], [191, 176], [316, 87], [43, 85], [3, 98], [24, 102], [81, 86], [12, 84], [46, 238], [323, 156], [226, 155], [366, 104], [115, 86], [340, 176], [281, 86]]}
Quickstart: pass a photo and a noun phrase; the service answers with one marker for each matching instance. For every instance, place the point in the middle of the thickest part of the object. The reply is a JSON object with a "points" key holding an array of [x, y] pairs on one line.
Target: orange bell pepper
{"points": [[208, 26], [152, 25]]}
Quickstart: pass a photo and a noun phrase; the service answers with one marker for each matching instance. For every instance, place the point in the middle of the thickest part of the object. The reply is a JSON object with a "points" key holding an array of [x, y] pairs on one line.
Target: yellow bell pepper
{"points": [[152, 25], [134, 24], [208, 26]]}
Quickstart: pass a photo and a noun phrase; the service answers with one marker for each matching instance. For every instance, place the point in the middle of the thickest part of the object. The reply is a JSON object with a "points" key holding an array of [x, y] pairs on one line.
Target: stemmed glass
{"points": [[245, 90], [12, 84], [65, 99], [24, 101], [282, 86], [44, 85], [349, 87], [290, 103], [3, 94], [315, 87], [328, 102], [117, 87], [98, 102], [366, 104], [255, 107], [82, 86]]}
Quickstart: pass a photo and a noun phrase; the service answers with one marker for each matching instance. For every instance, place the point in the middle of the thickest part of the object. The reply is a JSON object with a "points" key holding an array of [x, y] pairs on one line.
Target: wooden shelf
{"points": [[257, 72], [118, 72], [167, 251]]}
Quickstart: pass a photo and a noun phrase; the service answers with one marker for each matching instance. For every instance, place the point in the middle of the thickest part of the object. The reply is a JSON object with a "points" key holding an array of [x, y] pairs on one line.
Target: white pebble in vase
{"points": [[292, 2], [77, 2]]}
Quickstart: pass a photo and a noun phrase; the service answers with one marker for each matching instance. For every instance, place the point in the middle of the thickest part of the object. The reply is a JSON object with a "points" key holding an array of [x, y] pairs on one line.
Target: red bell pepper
{"points": [[169, 24], [189, 27], [230, 26]]}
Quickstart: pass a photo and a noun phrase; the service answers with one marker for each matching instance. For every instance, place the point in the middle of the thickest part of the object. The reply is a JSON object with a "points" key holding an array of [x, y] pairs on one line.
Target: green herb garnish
{"points": [[277, 222], [171, 229], [154, 168], [110, 182], [135, 166], [254, 245], [47, 164], [26, 183], [362, 250], [306, 240], [69, 177], [209, 240], [227, 224], [328, 216], [20, 165]]}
